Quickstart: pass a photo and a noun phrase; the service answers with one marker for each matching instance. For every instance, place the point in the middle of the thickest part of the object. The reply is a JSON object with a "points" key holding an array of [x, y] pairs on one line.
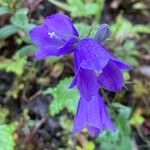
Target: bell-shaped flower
{"points": [[92, 114], [55, 37], [94, 67], [92, 55]]}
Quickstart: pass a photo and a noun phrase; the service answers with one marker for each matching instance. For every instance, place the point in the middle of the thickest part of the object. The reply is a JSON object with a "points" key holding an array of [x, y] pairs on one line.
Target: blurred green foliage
{"points": [[6, 137], [7, 141], [86, 30], [137, 119], [20, 19], [81, 8], [8, 6], [7, 31], [139, 89], [63, 97], [123, 28], [9, 65], [20, 26], [128, 52]]}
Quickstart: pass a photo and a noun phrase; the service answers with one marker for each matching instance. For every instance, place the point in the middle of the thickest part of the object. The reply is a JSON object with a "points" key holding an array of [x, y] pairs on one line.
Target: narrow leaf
{"points": [[7, 31]]}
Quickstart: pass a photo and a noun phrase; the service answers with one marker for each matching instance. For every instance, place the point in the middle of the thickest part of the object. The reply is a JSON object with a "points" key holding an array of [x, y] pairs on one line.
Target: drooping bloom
{"points": [[92, 58], [94, 67], [91, 112]]}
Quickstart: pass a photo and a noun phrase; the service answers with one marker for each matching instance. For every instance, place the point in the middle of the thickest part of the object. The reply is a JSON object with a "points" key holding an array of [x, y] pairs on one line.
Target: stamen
{"points": [[98, 72], [52, 34]]}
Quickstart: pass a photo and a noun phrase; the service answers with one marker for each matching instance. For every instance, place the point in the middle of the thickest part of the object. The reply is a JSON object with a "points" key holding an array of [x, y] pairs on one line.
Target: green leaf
{"points": [[128, 53], [108, 140], [122, 28], [6, 138], [26, 50], [83, 29], [122, 120], [139, 89], [137, 120], [142, 28], [126, 76], [86, 30], [123, 110], [139, 5], [15, 65], [82, 9], [20, 19], [3, 11], [125, 143], [63, 97], [7, 31], [66, 123], [90, 146]]}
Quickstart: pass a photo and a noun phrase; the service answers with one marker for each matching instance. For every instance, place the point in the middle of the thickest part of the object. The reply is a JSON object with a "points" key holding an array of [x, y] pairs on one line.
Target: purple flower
{"points": [[54, 37], [92, 114], [94, 67]]}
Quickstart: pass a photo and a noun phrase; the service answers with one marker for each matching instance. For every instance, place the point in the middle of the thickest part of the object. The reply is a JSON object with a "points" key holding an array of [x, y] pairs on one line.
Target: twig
{"points": [[143, 137], [80, 138], [34, 131], [35, 95]]}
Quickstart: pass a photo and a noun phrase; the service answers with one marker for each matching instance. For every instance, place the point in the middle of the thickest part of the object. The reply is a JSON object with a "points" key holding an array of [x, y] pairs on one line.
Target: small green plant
{"points": [[128, 53], [14, 65], [81, 8], [8, 6], [19, 25], [86, 30], [63, 97], [137, 119], [123, 29], [6, 137]]}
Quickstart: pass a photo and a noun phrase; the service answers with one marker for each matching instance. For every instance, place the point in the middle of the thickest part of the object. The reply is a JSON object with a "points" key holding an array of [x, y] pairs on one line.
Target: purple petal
{"points": [[75, 79], [55, 37], [111, 77], [86, 82], [106, 121], [99, 119], [93, 55], [61, 25], [39, 36], [92, 115], [68, 48], [120, 64], [81, 118], [95, 122], [44, 53], [52, 51]]}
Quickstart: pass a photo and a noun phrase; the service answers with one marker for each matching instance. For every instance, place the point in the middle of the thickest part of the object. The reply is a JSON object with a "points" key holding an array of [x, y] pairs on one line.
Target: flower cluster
{"points": [[94, 67]]}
